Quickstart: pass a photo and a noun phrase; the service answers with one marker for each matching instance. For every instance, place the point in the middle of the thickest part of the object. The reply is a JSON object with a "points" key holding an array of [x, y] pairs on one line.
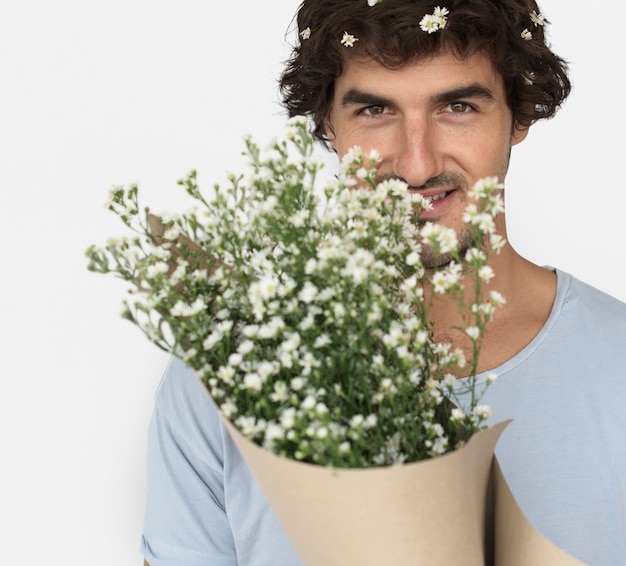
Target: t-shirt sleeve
{"points": [[185, 519]]}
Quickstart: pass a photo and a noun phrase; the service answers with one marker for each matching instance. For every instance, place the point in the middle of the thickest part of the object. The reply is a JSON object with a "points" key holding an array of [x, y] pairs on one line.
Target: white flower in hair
{"points": [[529, 78], [537, 19], [373, 2], [305, 33], [440, 14], [431, 23], [348, 39], [526, 35]]}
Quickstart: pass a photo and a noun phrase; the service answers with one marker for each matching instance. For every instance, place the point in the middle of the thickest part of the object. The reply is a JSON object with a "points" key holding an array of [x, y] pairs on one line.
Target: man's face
{"points": [[440, 124]]}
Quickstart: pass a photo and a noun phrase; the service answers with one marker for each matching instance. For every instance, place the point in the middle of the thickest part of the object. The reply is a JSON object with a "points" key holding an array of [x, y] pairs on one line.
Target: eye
{"points": [[374, 110], [460, 107]]}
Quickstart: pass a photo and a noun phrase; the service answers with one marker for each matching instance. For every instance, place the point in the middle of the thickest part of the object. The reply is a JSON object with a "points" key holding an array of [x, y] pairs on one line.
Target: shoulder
{"points": [[603, 314], [184, 407], [589, 333], [180, 385], [581, 294]]}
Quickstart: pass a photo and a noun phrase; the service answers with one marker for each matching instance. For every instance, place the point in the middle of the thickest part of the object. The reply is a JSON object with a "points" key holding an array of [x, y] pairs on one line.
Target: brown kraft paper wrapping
{"points": [[435, 512]]}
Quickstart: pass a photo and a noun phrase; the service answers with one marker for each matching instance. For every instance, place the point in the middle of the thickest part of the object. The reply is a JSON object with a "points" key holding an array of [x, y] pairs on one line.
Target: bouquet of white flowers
{"points": [[306, 313]]}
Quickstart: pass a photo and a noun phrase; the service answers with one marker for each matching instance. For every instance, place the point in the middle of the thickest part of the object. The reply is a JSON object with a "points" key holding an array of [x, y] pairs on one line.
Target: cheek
{"points": [[349, 137], [346, 138], [491, 150]]}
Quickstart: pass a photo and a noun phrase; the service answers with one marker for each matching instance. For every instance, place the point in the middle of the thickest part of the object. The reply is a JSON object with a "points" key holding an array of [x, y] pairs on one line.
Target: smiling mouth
{"points": [[439, 204]]}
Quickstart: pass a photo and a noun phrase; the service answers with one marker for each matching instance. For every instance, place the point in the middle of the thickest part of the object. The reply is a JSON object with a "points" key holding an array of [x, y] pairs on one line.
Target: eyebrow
{"points": [[355, 96], [474, 90]]}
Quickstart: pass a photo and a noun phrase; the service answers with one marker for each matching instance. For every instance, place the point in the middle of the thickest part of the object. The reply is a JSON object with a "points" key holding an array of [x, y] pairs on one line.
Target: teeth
{"points": [[439, 196]]}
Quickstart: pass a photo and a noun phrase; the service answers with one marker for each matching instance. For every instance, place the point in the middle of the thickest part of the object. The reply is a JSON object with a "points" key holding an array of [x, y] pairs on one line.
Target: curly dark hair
{"points": [[535, 78]]}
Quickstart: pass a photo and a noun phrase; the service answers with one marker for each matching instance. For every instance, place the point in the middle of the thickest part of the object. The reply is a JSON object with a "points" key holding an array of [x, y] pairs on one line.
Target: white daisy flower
{"points": [[348, 40]]}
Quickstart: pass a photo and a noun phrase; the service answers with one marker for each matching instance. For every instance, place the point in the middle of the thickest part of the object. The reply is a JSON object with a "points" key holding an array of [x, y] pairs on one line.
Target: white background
{"points": [[99, 94]]}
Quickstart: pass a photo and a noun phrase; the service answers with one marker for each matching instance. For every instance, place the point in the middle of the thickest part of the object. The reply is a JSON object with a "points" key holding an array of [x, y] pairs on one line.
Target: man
{"points": [[443, 93]]}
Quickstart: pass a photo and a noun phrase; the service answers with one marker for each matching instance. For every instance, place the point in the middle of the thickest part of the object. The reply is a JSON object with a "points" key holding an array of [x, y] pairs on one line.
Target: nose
{"points": [[416, 155]]}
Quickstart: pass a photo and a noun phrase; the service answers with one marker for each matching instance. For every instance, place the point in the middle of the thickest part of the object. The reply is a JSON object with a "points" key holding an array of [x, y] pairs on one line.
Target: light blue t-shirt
{"points": [[564, 454]]}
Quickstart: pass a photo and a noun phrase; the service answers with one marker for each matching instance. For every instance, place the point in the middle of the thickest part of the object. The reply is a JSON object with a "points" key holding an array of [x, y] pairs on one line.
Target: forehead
{"points": [[423, 77]]}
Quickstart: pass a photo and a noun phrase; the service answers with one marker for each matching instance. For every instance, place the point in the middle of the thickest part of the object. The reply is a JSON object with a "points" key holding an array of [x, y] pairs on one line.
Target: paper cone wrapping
{"points": [[435, 512]]}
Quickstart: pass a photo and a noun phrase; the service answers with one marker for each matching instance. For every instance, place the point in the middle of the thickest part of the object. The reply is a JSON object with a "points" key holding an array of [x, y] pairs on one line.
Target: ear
{"points": [[330, 129], [519, 134]]}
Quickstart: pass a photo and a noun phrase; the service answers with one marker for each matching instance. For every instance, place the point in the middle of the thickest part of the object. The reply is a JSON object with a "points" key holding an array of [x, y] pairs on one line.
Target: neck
{"points": [[529, 292]]}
